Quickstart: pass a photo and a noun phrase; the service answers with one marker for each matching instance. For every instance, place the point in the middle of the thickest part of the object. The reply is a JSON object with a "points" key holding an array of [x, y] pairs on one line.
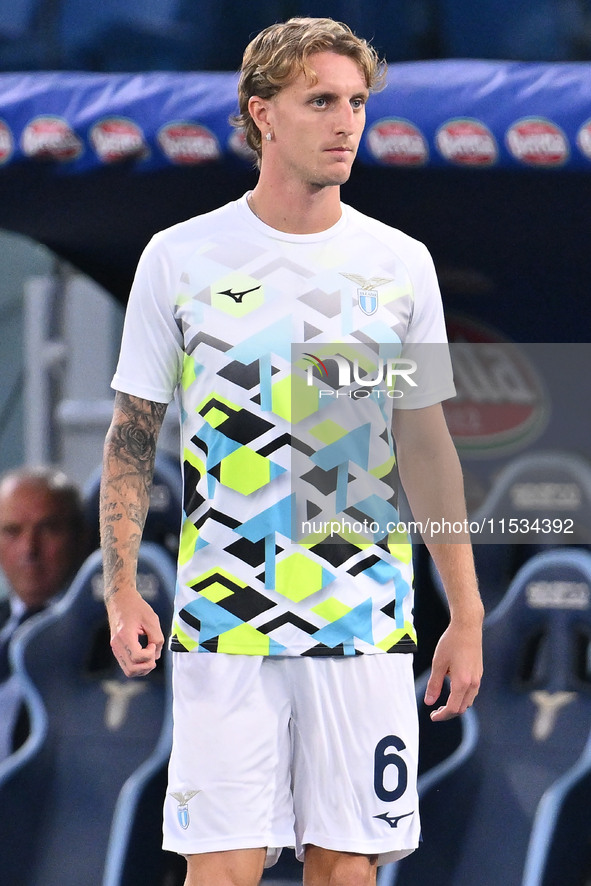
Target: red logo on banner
{"points": [[467, 143], [501, 403], [6, 143], [584, 139], [188, 143], [397, 142], [117, 138], [537, 142], [238, 144], [51, 138]]}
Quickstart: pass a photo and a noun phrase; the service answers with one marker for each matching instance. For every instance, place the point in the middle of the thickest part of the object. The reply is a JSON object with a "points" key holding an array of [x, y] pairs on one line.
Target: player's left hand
{"points": [[458, 655]]}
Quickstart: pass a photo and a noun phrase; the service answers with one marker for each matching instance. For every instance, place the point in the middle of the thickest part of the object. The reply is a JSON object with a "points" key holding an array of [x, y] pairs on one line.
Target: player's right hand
{"points": [[136, 636]]}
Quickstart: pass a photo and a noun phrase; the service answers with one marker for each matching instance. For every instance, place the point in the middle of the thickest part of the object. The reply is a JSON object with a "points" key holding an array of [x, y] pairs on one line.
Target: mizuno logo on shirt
{"points": [[238, 296]]}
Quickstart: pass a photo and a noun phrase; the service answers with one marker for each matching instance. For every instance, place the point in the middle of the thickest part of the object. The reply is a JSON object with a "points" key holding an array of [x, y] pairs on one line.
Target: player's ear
{"points": [[259, 109]]}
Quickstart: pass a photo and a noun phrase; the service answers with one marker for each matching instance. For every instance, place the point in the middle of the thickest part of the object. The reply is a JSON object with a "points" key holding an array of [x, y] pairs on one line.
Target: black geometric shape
{"points": [[312, 510], [215, 578], [335, 553], [217, 517], [190, 619], [243, 426], [291, 619], [274, 445], [251, 552], [324, 481], [321, 650], [246, 377], [192, 499], [246, 603], [202, 338], [364, 564]]}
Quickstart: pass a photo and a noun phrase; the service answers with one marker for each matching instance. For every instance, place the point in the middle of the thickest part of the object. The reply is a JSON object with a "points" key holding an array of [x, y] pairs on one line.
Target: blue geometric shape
{"points": [[218, 445], [356, 623], [278, 518], [353, 447], [214, 619], [275, 339], [380, 511], [382, 572], [327, 577]]}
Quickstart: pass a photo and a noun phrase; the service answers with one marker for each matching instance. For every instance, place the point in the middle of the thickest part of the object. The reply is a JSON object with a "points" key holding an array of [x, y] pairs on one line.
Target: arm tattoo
{"points": [[130, 451]]}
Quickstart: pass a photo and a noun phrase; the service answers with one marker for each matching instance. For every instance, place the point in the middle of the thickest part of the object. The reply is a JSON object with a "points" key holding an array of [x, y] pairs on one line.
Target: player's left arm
{"points": [[431, 475]]}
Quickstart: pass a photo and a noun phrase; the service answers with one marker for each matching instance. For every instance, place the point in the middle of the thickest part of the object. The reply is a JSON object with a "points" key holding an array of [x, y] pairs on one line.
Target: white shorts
{"points": [[273, 752]]}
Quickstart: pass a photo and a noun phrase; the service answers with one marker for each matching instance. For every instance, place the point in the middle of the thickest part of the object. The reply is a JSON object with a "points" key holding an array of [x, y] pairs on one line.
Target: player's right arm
{"points": [[128, 467]]}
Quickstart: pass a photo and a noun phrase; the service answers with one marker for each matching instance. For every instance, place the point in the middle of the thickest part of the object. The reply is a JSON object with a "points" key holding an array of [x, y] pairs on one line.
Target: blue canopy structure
{"points": [[488, 162]]}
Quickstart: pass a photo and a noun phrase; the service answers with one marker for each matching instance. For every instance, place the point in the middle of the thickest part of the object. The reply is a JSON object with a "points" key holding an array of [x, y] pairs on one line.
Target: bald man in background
{"points": [[42, 545]]}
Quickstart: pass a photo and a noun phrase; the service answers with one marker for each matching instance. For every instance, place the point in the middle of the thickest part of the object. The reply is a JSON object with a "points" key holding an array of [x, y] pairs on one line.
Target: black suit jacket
{"points": [[4, 611]]}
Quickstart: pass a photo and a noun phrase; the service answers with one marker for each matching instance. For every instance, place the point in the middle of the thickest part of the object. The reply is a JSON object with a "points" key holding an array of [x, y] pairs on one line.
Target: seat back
{"points": [[539, 500], [534, 710], [534, 721]]}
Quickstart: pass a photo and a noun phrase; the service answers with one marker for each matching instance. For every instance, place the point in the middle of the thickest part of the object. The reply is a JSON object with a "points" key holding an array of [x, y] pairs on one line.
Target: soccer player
{"points": [[295, 721]]}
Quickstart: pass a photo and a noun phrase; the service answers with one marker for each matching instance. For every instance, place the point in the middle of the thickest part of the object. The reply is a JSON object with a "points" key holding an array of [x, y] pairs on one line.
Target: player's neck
{"points": [[296, 210]]}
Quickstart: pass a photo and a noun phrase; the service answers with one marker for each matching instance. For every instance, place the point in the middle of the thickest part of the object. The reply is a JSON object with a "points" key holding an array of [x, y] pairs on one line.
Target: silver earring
{"points": [[268, 136]]}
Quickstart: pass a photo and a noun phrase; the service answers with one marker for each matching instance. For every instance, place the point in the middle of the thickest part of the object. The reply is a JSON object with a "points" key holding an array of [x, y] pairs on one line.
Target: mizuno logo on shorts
{"points": [[392, 819]]}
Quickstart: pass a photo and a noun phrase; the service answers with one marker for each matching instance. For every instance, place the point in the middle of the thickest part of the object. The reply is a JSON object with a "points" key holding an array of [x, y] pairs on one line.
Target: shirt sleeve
{"points": [[151, 355], [426, 341]]}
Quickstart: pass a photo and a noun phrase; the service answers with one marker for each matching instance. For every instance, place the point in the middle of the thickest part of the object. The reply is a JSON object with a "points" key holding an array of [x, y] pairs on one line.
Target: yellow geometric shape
{"points": [[194, 460], [188, 540], [213, 398], [383, 469], [400, 547], [244, 640], [216, 592], [328, 431], [293, 400], [397, 635], [331, 609], [189, 374], [296, 577], [184, 638], [215, 417], [245, 470]]}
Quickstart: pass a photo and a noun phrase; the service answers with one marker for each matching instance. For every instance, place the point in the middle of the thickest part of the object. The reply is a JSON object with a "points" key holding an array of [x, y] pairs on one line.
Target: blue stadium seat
{"points": [[25, 41], [554, 486], [94, 35], [91, 729], [401, 30], [16, 18], [534, 715], [545, 30], [446, 775], [219, 30]]}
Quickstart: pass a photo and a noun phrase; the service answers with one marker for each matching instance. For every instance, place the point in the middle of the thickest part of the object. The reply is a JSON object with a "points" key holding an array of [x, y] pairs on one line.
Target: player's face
{"points": [[317, 126]]}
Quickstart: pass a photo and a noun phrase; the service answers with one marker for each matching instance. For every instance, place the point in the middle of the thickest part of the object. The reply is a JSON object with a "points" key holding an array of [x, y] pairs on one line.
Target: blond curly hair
{"points": [[281, 51]]}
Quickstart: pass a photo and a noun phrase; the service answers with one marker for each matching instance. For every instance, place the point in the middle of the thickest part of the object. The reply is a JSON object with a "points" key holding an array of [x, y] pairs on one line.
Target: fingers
{"points": [[137, 656], [434, 686], [461, 697]]}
